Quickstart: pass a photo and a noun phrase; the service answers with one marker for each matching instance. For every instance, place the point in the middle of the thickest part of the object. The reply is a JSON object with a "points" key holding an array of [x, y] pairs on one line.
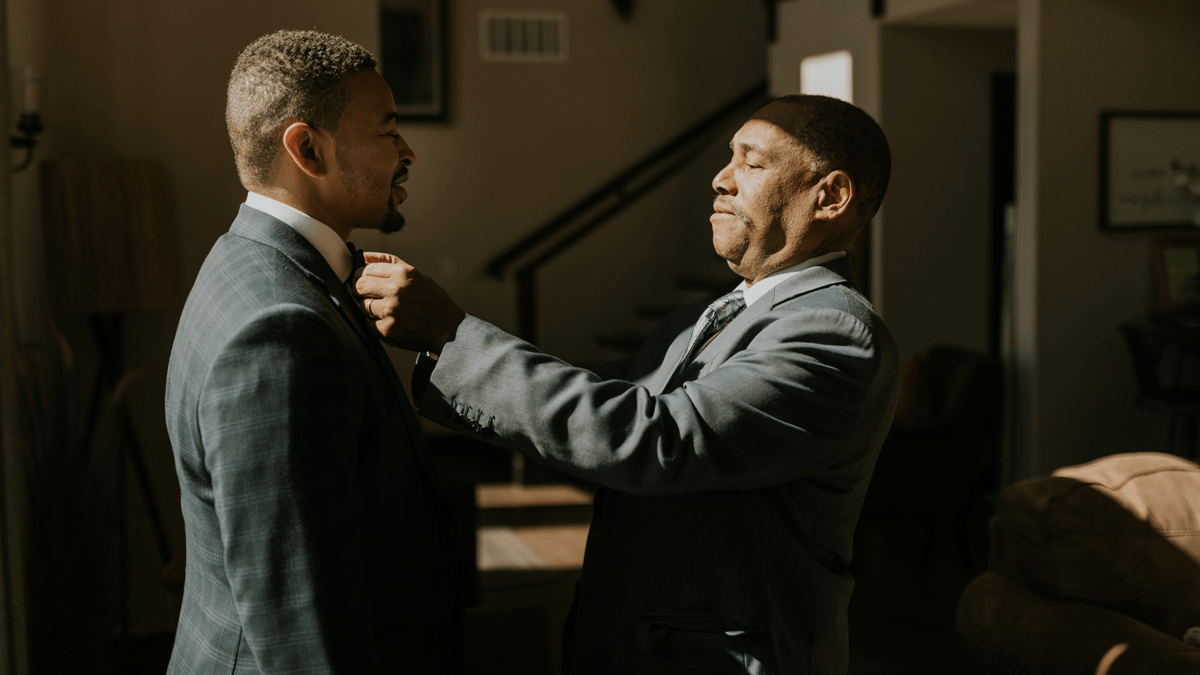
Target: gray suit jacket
{"points": [[721, 535], [319, 540]]}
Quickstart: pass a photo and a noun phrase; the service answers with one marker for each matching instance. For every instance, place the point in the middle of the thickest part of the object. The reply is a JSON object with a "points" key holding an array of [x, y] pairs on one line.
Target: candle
{"points": [[33, 92]]}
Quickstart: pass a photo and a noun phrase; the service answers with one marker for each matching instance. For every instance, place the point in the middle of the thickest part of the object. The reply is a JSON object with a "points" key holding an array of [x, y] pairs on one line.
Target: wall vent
{"points": [[527, 36]]}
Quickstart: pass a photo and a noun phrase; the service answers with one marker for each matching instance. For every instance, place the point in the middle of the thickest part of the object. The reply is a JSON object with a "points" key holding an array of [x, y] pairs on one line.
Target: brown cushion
{"points": [[1019, 631], [1121, 532]]}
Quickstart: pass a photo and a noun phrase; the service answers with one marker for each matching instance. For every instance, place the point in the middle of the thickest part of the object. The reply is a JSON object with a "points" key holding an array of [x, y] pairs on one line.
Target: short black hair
{"points": [[841, 136], [282, 77]]}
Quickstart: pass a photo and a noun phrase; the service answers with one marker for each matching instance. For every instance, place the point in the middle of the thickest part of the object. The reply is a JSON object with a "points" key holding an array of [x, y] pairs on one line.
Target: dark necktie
{"points": [[357, 255], [716, 316], [358, 263]]}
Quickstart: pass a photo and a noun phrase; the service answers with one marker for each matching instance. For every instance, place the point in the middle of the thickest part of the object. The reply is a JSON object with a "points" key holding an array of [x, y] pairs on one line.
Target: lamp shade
{"points": [[110, 235]]}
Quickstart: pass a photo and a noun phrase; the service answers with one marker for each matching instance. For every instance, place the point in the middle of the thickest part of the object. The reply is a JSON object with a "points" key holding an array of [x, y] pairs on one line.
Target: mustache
{"points": [[730, 206]]}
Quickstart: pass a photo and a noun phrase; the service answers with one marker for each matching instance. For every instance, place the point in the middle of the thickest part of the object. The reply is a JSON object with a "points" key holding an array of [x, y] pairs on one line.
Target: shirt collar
{"points": [[775, 278], [327, 242]]}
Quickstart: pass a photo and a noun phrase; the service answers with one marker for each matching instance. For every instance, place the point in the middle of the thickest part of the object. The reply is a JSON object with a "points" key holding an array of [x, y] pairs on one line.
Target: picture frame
{"points": [[412, 57], [1177, 274], [1137, 152]]}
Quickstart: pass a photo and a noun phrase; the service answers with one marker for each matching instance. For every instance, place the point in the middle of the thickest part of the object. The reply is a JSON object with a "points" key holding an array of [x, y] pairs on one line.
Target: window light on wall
{"points": [[830, 74]]}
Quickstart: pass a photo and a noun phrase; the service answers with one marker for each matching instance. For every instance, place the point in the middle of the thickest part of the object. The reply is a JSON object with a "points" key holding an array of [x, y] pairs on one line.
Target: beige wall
{"points": [[1073, 283], [143, 77], [928, 88], [1091, 55], [818, 27], [936, 98]]}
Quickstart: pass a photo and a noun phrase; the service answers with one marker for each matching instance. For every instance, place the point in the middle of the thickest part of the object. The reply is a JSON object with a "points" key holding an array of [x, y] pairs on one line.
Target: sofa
{"points": [[1093, 570]]}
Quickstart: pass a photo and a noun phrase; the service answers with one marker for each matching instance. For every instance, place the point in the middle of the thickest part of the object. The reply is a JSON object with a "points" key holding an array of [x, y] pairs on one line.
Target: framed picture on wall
{"points": [[1177, 274], [1149, 170], [412, 54]]}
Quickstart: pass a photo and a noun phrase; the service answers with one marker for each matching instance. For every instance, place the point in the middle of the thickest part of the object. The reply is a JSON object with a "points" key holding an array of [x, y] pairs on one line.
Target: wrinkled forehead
{"points": [[769, 131]]}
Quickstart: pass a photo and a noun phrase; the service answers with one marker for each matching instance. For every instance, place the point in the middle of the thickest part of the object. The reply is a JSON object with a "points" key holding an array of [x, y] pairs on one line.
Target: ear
{"points": [[307, 147], [835, 192]]}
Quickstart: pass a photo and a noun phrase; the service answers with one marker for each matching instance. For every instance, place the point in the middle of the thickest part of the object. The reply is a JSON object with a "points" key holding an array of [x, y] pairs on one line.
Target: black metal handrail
{"points": [[627, 187]]}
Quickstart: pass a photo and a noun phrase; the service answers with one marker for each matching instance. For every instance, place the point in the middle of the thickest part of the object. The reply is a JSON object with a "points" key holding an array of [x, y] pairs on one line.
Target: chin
{"points": [[392, 220], [393, 223]]}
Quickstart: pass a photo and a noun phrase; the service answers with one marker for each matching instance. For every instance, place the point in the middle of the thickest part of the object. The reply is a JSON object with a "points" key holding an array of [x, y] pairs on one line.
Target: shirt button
{"points": [[450, 536]]}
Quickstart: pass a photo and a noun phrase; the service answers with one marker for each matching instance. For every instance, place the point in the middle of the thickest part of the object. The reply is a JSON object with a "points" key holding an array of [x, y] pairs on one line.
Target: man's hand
{"points": [[409, 309]]}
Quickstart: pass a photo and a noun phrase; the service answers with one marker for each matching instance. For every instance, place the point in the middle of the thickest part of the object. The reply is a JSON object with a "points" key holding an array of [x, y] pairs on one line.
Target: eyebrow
{"points": [[751, 147], [390, 117]]}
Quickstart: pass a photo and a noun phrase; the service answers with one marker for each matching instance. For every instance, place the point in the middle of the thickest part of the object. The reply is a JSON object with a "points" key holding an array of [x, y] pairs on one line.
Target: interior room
{"points": [[1035, 260]]}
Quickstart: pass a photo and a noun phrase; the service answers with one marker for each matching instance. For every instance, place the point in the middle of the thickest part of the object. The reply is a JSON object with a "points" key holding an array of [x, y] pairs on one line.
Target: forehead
{"points": [[371, 99], [765, 135]]}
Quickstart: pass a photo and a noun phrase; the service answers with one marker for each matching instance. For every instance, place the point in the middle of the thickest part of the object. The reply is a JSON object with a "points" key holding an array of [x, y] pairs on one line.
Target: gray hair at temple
{"points": [[282, 78], [841, 136]]}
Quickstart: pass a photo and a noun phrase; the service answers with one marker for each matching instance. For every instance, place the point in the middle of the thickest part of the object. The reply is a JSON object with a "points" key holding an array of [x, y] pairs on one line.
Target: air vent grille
{"points": [[528, 36]]}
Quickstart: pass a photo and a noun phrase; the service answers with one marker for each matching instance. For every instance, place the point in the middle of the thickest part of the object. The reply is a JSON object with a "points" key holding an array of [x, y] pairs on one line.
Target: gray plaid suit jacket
{"points": [[319, 539], [721, 535]]}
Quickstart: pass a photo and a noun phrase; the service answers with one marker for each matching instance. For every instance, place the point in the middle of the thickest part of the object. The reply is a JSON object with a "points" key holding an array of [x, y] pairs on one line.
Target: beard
{"points": [[393, 220]]}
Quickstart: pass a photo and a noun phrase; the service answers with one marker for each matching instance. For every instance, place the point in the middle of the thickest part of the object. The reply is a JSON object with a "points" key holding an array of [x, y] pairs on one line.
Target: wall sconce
{"points": [[30, 123]]}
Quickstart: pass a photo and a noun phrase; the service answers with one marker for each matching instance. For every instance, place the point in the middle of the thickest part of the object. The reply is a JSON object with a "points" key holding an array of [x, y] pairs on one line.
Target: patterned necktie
{"points": [[716, 316]]}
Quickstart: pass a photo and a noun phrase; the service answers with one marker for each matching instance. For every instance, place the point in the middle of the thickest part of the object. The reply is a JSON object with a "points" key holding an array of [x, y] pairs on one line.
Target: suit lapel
{"points": [[831, 273], [257, 226]]}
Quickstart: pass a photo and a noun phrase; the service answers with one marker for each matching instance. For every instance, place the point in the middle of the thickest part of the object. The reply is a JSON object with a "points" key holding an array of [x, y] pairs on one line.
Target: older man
{"points": [[735, 447], [318, 538]]}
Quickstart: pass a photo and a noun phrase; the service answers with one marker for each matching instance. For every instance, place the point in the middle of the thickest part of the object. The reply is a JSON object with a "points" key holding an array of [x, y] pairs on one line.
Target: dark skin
{"points": [[430, 315], [770, 212]]}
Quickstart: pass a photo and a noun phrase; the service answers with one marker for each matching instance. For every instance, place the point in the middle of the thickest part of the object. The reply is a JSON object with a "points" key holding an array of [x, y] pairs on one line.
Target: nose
{"points": [[407, 156], [723, 182]]}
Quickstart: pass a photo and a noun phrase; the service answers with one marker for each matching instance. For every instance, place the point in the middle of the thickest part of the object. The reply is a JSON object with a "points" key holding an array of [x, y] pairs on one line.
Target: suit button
{"points": [[450, 536]]}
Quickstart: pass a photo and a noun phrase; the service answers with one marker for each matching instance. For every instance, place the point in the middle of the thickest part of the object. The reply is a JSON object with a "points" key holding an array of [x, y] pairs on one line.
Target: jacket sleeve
{"points": [[785, 406], [278, 419]]}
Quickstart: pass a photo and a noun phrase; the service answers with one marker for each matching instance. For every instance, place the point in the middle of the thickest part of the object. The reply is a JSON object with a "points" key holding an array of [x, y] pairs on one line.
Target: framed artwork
{"points": [[1145, 158], [413, 56], [1177, 274]]}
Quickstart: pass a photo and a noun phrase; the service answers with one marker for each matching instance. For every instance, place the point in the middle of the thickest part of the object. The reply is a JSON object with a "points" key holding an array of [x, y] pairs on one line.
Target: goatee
{"points": [[392, 222]]}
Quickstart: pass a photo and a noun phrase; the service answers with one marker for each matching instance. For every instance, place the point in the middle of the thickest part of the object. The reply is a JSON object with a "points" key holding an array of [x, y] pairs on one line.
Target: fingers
{"points": [[382, 264], [379, 286], [376, 257]]}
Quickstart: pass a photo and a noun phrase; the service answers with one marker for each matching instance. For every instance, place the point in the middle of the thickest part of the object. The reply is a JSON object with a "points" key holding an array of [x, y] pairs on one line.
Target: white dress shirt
{"points": [[775, 278], [327, 242]]}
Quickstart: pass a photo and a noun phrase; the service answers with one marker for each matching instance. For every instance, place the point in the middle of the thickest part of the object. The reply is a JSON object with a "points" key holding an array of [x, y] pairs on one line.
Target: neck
{"points": [[302, 202]]}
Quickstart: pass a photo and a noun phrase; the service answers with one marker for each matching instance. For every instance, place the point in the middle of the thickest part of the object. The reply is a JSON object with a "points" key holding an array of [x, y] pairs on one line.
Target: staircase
{"points": [[526, 257]]}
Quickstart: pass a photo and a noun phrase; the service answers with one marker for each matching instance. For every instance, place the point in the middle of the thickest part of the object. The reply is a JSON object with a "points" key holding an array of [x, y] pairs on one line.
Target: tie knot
{"points": [[727, 306], [356, 255]]}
